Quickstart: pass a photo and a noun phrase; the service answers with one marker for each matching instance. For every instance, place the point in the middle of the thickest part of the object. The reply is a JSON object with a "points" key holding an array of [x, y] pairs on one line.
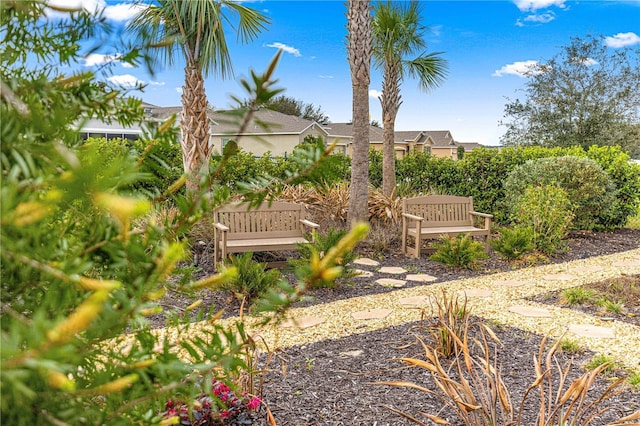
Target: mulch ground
{"points": [[332, 382]]}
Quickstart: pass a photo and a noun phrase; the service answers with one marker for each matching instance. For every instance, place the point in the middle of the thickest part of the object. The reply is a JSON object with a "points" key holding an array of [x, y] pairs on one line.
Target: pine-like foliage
{"points": [[460, 251]]}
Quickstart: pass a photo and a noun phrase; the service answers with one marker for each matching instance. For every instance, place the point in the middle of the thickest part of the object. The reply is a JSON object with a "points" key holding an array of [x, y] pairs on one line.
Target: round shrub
{"points": [[589, 188], [546, 210]]}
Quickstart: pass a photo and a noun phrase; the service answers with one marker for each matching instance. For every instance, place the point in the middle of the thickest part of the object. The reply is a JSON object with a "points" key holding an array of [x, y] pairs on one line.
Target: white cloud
{"points": [[325, 76], [533, 5], [521, 69], [157, 83], [622, 40], [375, 93], [99, 59], [125, 80], [179, 90], [123, 11], [542, 19], [117, 12], [127, 65], [288, 49]]}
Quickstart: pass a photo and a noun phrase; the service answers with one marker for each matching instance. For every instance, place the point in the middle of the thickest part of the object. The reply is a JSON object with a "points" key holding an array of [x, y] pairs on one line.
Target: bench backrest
{"points": [[281, 219], [440, 210]]}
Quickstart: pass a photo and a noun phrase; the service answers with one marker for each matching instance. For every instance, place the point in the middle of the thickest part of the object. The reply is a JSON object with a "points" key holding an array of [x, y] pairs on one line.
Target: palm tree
{"points": [[398, 34], [197, 30], [360, 51]]}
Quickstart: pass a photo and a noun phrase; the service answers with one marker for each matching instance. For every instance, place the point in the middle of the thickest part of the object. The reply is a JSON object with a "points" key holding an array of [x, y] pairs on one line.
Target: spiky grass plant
{"points": [[384, 209], [460, 251], [577, 295], [253, 278], [450, 316], [473, 389]]}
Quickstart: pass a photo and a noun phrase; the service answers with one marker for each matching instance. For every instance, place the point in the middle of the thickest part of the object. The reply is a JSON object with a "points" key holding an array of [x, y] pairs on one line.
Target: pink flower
{"points": [[220, 388], [224, 414], [254, 403]]}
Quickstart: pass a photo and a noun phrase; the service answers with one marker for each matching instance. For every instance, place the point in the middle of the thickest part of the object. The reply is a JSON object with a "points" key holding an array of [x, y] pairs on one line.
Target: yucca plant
{"points": [[385, 209], [514, 243], [460, 251], [450, 316], [322, 244], [473, 388], [253, 277]]}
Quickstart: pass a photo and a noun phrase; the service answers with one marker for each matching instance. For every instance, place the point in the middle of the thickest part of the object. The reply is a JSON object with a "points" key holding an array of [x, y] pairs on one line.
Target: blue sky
{"points": [[487, 45]]}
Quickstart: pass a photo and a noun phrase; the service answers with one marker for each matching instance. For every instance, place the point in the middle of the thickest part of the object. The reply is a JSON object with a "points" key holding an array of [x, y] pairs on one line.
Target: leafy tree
{"points": [[359, 50], [397, 35], [196, 29], [292, 106], [588, 94]]}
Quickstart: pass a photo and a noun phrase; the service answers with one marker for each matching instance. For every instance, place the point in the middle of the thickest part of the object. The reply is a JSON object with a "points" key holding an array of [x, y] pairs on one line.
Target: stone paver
{"points": [[392, 270], [626, 263], [391, 282], [360, 273], [559, 277], [510, 283], [475, 292], [423, 278], [303, 322], [588, 330], [530, 311], [371, 314], [366, 261], [414, 300]]}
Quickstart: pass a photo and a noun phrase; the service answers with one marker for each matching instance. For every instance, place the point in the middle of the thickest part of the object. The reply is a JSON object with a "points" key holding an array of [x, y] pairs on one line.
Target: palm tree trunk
{"points": [[194, 124], [390, 101], [360, 50]]}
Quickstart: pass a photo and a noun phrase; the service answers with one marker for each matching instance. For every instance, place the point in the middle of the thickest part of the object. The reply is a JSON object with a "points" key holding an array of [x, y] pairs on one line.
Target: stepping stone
{"points": [[475, 292], [351, 354], [366, 261], [423, 278], [414, 300], [593, 268], [392, 270], [588, 330], [302, 322], [558, 277], [371, 314], [390, 282], [359, 273], [625, 263], [530, 311], [510, 283]]}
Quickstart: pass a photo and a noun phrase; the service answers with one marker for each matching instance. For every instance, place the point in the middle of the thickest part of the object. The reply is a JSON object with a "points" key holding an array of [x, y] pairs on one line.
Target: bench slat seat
{"points": [[434, 216], [268, 227]]}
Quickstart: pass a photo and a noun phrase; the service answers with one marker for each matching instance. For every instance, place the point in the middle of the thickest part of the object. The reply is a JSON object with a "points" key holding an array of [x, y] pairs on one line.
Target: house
{"points": [[278, 134]]}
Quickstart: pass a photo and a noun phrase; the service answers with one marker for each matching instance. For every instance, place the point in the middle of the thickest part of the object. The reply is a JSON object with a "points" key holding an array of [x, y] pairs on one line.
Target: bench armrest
{"points": [[412, 217], [222, 227], [485, 215], [309, 223]]}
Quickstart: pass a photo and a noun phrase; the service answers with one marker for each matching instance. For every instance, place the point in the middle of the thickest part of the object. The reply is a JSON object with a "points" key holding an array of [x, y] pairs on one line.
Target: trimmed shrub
{"points": [[461, 251], [546, 210], [589, 188]]}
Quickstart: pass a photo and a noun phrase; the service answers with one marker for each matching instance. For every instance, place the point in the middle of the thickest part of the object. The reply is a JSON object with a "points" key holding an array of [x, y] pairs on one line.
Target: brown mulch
{"points": [[331, 382]]}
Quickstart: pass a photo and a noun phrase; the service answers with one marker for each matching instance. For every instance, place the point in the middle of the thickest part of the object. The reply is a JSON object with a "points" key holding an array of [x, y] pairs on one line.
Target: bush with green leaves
{"points": [[547, 211], [513, 243], [321, 246], [253, 278], [590, 190], [79, 273], [460, 251]]}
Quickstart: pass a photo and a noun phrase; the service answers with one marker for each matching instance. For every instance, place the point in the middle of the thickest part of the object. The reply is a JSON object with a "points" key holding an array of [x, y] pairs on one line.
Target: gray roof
{"points": [[469, 146], [346, 130], [264, 121], [440, 137]]}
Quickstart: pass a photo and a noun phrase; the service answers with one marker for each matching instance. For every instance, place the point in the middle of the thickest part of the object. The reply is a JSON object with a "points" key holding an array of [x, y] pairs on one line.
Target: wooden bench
{"points": [[279, 226], [434, 216]]}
